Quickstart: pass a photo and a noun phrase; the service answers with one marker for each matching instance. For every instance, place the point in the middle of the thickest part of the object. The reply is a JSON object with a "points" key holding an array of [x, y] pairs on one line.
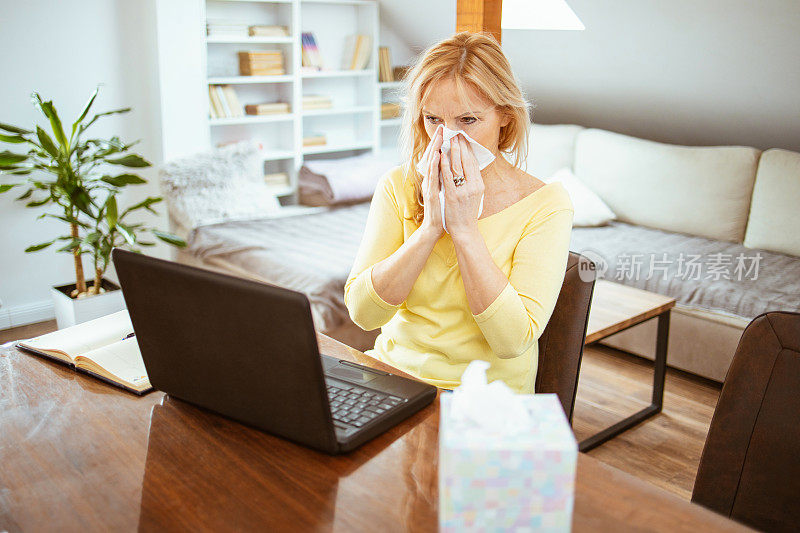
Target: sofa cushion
{"points": [[774, 222], [702, 273], [702, 191], [551, 148], [589, 209]]}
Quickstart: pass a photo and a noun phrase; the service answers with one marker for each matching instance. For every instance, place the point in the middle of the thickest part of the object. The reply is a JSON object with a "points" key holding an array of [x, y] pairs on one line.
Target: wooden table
{"points": [[79, 455], [614, 308]]}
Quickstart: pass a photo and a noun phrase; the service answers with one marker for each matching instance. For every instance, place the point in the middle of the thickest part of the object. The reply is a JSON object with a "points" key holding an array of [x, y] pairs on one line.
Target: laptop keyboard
{"points": [[355, 406]]}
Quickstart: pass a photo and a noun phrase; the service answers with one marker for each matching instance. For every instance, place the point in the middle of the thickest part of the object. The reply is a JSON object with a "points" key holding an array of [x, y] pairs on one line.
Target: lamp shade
{"points": [[539, 15]]}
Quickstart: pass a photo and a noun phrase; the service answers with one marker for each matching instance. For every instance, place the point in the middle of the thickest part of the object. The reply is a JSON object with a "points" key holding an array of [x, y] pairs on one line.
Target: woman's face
{"points": [[482, 122]]}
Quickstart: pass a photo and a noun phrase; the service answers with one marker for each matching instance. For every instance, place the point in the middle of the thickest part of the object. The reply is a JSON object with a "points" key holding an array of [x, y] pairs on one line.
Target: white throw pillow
{"points": [[217, 186], [590, 209]]}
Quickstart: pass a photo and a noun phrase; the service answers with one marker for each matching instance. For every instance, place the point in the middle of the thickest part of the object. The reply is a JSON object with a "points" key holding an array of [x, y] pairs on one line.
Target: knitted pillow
{"points": [[217, 186]]}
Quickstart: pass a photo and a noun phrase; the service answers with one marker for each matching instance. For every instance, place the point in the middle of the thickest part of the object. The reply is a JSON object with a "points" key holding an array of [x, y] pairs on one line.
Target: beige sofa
{"points": [[729, 200]]}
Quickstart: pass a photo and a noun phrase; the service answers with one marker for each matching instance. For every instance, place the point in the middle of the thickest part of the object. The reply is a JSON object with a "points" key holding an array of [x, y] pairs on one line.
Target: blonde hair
{"points": [[466, 58]]}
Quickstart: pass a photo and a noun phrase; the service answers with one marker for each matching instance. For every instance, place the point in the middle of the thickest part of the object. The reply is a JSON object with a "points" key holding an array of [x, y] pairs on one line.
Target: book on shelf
{"points": [[263, 30], [277, 179], [104, 348], [233, 101], [356, 52], [214, 107], [310, 53], [390, 110], [222, 29], [316, 98], [224, 102], [317, 101], [268, 108], [223, 144], [314, 139], [261, 63], [399, 72], [385, 72]]}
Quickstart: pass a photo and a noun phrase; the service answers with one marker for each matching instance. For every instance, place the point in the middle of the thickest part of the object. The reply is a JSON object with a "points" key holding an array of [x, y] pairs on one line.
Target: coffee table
{"points": [[615, 308]]}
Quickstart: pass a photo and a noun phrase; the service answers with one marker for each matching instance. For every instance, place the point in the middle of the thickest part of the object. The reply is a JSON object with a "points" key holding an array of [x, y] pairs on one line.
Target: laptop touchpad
{"points": [[351, 374]]}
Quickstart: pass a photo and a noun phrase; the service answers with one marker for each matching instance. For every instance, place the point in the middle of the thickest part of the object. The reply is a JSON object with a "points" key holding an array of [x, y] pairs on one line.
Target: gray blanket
{"points": [[313, 254], [698, 272]]}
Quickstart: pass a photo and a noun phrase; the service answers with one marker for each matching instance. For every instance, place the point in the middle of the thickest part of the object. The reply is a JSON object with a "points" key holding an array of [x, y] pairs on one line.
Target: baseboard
{"points": [[20, 315]]}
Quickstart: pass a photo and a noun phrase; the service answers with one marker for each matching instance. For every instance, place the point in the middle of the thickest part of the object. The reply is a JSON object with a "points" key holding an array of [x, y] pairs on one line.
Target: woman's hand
{"points": [[432, 216], [461, 202]]}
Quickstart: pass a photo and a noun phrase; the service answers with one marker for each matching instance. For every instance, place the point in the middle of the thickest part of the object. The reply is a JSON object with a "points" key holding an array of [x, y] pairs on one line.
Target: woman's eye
{"points": [[465, 120]]}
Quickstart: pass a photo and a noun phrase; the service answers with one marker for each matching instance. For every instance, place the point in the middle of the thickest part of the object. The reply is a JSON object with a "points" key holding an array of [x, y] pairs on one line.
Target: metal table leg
{"points": [[659, 375]]}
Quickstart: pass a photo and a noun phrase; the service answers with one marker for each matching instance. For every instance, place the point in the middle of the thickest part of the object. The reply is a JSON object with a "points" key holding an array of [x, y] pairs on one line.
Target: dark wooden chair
{"points": [[750, 468], [561, 342]]}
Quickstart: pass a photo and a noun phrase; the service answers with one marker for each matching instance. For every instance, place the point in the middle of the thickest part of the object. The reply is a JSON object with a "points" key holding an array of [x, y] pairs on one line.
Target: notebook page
{"points": [[122, 360], [84, 337]]}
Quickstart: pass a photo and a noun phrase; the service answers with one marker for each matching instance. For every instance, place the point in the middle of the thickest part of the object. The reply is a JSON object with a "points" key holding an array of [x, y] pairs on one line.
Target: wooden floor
{"points": [[664, 450], [26, 332]]}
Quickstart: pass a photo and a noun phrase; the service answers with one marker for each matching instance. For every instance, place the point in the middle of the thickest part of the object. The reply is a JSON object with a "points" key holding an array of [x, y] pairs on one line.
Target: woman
{"points": [[486, 288]]}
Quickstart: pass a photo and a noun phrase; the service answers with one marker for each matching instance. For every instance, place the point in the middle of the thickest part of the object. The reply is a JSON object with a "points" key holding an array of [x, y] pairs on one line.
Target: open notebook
{"points": [[104, 348]]}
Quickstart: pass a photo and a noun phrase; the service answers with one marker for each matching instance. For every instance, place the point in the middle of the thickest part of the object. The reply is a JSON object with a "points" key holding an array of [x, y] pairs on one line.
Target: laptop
{"points": [[248, 350]]}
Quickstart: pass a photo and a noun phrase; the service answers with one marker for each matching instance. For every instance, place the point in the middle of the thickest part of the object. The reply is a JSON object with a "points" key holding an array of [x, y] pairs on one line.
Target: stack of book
{"points": [[384, 65], [390, 110], [267, 108], [277, 179], [269, 31], [310, 52], [261, 63], [314, 139], [317, 101], [356, 52], [222, 29], [224, 103]]}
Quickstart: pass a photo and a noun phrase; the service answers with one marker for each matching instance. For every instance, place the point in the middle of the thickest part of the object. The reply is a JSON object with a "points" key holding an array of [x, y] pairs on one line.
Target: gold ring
{"points": [[459, 180]]}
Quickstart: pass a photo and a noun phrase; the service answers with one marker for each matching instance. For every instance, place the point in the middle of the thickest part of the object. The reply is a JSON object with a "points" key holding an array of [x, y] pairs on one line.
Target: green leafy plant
{"points": [[74, 177]]}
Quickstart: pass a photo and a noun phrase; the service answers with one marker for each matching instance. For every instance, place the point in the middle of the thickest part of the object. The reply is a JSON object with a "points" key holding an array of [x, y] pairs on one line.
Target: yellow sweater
{"points": [[433, 334]]}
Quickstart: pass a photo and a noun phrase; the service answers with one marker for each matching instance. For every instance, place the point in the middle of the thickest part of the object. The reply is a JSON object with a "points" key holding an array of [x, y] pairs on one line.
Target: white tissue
{"points": [[481, 153], [491, 407]]}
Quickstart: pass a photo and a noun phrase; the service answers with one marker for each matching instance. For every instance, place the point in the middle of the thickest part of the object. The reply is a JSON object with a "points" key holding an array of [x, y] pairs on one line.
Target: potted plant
{"points": [[74, 176]]}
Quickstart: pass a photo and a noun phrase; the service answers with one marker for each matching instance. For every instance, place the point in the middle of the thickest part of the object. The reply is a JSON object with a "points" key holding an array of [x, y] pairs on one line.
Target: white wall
{"points": [[62, 49], [684, 72]]}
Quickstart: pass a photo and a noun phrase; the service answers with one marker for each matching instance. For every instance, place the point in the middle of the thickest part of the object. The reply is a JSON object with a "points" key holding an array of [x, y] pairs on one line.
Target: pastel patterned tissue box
{"points": [[493, 479]]}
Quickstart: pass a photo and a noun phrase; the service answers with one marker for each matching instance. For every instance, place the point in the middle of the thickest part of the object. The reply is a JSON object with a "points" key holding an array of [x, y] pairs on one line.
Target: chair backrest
{"points": [[561, 342], [750, 467]]}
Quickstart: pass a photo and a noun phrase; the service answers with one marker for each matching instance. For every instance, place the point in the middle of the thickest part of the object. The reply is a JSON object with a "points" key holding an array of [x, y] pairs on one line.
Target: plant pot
{"points": [[70, 311]]}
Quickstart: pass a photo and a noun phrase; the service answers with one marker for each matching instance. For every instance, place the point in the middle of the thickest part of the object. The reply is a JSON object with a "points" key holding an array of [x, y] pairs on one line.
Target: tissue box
{"points": [[523, 481]]}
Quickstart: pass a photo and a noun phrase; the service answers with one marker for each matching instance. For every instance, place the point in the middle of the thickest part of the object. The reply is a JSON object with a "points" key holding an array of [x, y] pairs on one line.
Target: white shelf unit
{"points": [[351, 126]]}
